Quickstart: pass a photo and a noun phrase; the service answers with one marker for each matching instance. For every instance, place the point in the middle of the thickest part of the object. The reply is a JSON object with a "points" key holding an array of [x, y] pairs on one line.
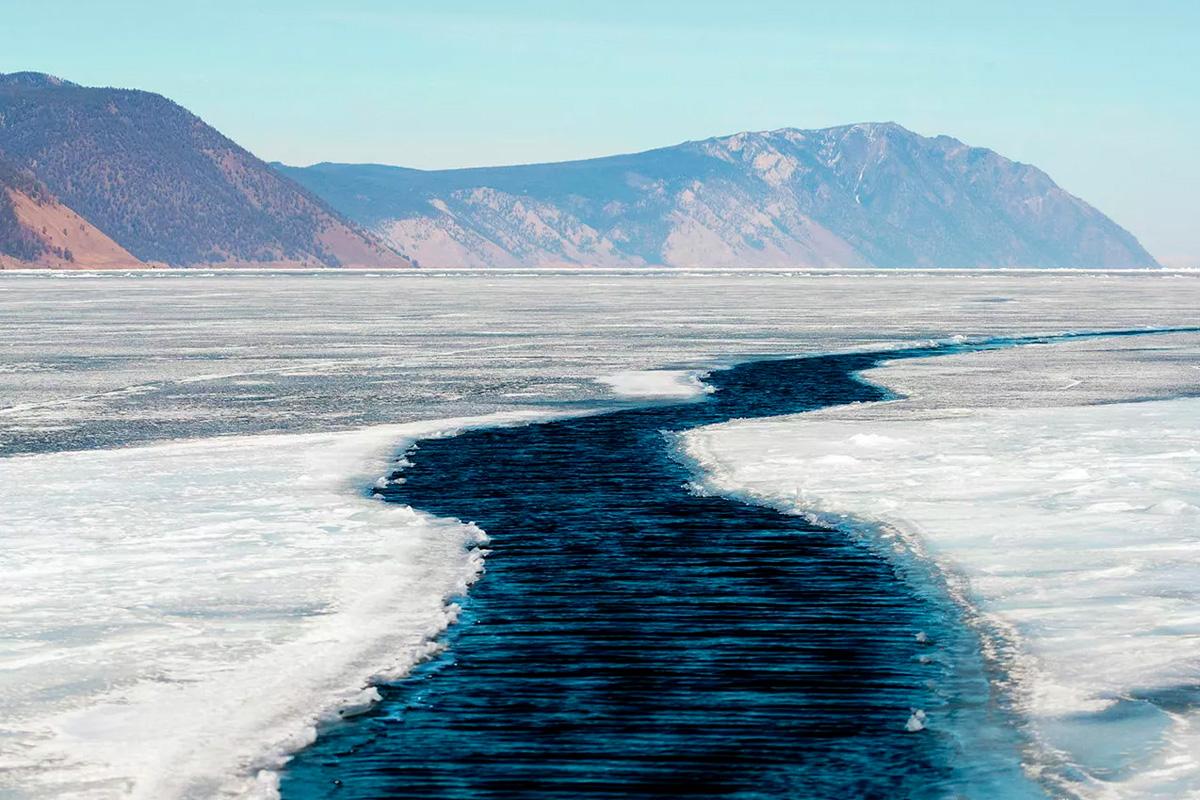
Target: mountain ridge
{"points": [[166, 186], [863, 194]]}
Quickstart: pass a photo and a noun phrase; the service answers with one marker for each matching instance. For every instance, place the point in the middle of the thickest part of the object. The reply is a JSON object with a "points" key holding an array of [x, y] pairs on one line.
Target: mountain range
{"points": [[871, 194], [102, 177]]}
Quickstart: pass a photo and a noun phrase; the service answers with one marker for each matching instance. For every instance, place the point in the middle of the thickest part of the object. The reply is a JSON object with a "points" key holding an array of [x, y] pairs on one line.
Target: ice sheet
{"points": [[102, 360], [1073, 531], [176, 618]]}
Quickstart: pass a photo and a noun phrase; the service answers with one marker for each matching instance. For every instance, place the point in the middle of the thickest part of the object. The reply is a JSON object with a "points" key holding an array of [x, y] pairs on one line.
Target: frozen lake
{"points": [[194, 571], [105, 360]]}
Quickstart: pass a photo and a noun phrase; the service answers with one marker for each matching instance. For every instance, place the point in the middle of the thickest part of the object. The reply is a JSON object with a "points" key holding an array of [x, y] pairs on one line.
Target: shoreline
{"points": [[1017, 655], [212, 717], [587, 271]]}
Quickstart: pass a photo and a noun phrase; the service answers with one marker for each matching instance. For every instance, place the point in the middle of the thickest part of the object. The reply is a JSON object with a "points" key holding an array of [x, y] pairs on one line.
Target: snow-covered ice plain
{"points": [[193, 573]]}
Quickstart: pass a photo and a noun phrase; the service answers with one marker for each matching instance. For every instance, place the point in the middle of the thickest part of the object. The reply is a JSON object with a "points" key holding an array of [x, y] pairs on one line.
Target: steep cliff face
{"points": [[165, 186], [859, 195]]}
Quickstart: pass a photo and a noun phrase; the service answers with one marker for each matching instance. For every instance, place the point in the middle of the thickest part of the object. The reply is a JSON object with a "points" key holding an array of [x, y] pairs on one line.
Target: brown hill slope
{"points": [[37, 231], [167, 187]]}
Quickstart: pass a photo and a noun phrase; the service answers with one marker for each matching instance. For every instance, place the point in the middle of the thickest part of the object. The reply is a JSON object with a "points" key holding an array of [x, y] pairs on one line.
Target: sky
{"points": [[1104, 96]]}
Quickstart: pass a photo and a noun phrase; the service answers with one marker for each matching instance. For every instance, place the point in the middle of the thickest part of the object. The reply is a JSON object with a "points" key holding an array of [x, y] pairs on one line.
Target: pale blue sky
{"points": [[1102, 95]]}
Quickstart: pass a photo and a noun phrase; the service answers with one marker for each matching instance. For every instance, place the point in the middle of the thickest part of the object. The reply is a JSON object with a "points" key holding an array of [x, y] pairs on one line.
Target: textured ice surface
{"points": [[1074, 530], [175, 618], [177, 614], [103, 360]]}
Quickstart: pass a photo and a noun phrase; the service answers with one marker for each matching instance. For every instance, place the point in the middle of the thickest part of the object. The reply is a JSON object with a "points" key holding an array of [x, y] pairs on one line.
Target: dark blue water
{"points": [[633, 639]]}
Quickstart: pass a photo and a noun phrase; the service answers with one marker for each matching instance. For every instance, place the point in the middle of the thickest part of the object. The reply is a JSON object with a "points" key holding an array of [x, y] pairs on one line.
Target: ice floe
{"points": [[656, 383]]}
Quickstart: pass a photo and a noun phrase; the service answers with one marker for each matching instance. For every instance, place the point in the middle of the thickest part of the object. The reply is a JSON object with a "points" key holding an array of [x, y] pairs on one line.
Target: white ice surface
{"points": [[1073, 531], [656, 383], [176, 618]]}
